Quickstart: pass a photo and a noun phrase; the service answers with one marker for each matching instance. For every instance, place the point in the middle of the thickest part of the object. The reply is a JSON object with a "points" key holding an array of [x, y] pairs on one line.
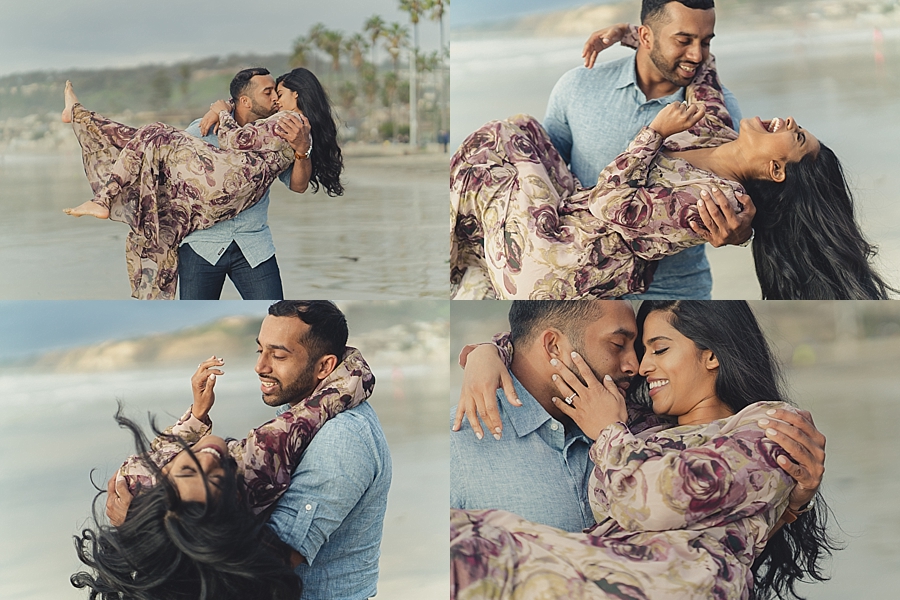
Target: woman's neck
{"points": [[728, 161], [706, 411]]}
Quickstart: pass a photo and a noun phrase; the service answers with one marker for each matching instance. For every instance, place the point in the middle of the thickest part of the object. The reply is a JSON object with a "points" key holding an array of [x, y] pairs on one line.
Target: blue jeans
{"points": [[199, 280], [682, 276]]}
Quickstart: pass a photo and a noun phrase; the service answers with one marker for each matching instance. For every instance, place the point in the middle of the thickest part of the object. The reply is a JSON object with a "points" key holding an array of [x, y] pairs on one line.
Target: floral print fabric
{"points": [[682, 511], [267, 457], [165, 183], [524, 227]]}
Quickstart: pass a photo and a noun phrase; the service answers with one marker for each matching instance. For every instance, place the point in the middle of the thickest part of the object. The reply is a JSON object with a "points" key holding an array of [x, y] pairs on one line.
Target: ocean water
{"points": [[830, 81], [384, 239], [56, 428]]}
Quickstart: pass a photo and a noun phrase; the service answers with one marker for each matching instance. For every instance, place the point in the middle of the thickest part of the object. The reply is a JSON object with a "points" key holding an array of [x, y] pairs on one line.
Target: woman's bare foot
{"points": [[88, 208], [71, 100]]}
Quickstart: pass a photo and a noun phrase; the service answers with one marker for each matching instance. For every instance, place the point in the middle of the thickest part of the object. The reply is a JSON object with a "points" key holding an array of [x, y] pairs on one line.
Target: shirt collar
{"points": [[628, 77], [531, 416]]}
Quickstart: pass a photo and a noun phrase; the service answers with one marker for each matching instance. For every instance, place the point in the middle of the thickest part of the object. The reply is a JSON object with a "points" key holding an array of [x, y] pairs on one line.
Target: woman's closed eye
{"points": [[659, 351]]}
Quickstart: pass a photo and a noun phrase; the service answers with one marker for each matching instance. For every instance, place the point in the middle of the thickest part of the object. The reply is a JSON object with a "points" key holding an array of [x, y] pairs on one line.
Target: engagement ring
{"points": [[568, 399]]}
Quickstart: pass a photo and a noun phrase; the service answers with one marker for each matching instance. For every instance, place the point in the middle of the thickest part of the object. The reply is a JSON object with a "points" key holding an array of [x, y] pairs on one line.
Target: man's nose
{"points": [[630, 363], [262, 365], [695, 53]]}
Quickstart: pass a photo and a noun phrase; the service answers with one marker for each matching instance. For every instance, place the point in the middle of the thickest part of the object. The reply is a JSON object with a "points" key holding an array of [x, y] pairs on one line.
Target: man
{"points": [[594, 113], [539, 468], [332, 514], [242, 247]]}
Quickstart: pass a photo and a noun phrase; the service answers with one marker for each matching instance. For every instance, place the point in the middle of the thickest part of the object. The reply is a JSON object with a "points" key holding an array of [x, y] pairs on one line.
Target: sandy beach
{"points": [[385, 238]]}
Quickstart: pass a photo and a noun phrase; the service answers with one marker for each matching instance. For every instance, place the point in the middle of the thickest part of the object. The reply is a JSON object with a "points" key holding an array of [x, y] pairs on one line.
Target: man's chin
{"points": [[273, 400]]}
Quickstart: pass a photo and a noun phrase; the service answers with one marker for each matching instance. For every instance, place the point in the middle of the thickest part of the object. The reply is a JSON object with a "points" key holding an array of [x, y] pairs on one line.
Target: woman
{"points": [[196, 527], [524, 227], [165, 183], [692, 509]]}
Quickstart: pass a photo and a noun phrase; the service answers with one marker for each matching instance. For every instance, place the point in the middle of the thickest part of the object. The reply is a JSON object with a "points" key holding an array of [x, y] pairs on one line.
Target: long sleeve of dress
{"points": [[257, 137], [163, 448], [269, 454], [690, 477]]}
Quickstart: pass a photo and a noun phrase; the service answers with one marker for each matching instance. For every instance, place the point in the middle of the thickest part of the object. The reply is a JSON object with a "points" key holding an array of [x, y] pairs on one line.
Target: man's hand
{"points": [[202, 383], [600, 40], [677, 117], [295, 129], [723, 225], [798, 436], [118, 499]]}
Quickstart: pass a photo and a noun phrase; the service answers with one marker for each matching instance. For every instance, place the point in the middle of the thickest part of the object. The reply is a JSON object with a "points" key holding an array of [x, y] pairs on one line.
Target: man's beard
{"points": [[294, 391], [669, 72], [622, 378], [260, 111]]}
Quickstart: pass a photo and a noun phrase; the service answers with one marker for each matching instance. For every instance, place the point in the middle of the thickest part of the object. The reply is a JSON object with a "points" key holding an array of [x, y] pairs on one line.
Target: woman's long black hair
{"points": [[326, 158], [171, 550], [748, 373], [806, 243]]}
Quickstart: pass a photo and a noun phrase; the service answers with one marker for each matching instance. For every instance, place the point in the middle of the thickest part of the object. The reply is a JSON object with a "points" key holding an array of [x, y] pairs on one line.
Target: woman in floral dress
{"points": [[697, 508], [522, 226], [165, 183], [197, 518]]}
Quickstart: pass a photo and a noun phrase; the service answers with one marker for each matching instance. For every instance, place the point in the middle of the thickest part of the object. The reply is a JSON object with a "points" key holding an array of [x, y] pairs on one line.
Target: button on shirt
{"points": [[592, 116], [249, 229], [333, 511], [537, 470]]}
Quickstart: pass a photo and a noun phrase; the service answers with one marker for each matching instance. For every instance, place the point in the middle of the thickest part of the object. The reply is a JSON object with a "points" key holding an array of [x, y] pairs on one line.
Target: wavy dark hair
{"points": [[173, 550], [326, 158], [806, 244], [748, 373]]}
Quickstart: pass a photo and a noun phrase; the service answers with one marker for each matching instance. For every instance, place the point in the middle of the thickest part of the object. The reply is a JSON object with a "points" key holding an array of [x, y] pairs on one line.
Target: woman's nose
{"points": [[646, 366]]}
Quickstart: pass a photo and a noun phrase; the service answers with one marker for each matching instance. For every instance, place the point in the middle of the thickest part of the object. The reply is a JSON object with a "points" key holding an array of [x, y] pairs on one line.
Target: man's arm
{"points": [[295, 129], [332, 476], [555, 121]]}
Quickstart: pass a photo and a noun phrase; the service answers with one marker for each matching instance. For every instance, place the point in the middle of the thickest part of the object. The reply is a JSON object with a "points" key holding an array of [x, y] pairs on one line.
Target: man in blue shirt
{"points": [[594, 113], [242, 247], [539, 467]]}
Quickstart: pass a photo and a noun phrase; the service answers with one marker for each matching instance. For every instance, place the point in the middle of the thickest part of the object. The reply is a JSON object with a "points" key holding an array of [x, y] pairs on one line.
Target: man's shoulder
{"points": [[356, 430], [602, 73]]}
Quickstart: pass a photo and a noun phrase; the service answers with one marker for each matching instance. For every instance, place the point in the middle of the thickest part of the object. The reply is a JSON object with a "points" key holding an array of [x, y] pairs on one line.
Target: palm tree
{"points": [[374, 26], [331, 43], [415, 8], [303, 47], [437, 14], [395, 37], [355, 47]]}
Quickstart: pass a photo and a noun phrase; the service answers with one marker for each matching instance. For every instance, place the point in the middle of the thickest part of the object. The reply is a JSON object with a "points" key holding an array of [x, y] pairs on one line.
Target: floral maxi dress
{"points": [[164, 184], [682, 512], [267, 457], [522, 226]]}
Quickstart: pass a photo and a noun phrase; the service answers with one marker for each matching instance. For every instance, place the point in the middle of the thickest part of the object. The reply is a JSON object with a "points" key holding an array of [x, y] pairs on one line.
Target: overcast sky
{"points": [[63, 34]]}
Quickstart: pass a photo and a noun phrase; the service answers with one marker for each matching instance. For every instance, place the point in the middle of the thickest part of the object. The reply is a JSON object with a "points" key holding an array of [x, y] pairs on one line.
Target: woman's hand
{"points": [[677, 117], [202, 384], [210, 121], [484, 374], [593, 407], [600, 40]]}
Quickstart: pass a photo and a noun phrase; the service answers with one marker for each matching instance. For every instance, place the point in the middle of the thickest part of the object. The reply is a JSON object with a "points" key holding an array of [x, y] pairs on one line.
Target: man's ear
{"points": [[645, 37], [554, 343], [710, 361], [325, 366]]}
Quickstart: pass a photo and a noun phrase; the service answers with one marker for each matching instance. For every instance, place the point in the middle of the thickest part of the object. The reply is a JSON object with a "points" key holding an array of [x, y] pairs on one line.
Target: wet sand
{"points": [[385, 238]]}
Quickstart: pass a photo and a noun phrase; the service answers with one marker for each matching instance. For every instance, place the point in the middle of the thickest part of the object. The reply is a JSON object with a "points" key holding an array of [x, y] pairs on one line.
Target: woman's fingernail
{"points": [[782, 460], [497, 436], [479, 435], [770, 412], [574, 355], [771, 432], [554, 399], [704, 193], [555, 377], [700, 202], [554, 362], [607, 378], [498, 429], [763, 422]]}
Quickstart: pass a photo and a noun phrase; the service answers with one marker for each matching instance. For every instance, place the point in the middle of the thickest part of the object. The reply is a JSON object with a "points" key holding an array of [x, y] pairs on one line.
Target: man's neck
{"points": [[535, 380], [649, 80]]}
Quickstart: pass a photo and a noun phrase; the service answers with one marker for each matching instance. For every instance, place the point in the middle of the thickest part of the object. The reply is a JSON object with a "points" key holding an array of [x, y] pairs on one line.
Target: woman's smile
{"points": [[655, 384]]}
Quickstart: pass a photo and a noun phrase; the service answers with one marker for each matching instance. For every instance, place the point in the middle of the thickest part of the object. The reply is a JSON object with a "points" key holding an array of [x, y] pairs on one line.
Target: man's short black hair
{"points": [[241, 81], [327, 325], [654, 9], [527, 318]]}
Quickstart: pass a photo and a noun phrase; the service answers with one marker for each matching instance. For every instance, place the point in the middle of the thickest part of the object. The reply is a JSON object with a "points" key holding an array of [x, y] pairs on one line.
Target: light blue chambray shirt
{"points": [[249, 228], [333, 511], [536, 470], [592, 116]]}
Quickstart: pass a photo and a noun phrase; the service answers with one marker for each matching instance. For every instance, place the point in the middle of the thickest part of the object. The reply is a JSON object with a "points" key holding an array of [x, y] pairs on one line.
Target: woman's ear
{"points": [[710, 361], [776, 171]]}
